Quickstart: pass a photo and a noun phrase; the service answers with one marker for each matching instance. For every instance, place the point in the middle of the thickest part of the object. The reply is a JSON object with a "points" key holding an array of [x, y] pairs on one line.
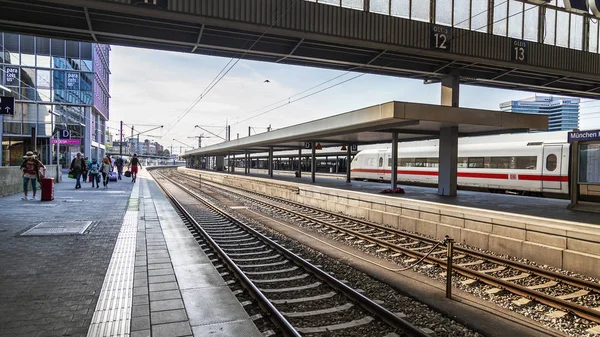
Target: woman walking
{"points": [[106, 169], [30, 167], [95, 173]]}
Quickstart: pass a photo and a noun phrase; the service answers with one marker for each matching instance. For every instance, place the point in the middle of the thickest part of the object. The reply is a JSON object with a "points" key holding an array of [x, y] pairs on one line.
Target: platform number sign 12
{"points": [[440, 37], [519, 51]]}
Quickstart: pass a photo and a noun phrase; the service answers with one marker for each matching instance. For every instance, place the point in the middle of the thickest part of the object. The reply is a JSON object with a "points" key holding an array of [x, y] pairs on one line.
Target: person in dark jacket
{"points": [[77, 167]]}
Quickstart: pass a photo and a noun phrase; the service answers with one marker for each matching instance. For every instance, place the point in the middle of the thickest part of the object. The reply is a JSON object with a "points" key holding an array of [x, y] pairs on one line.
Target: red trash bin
{"points": [[47, 189]]}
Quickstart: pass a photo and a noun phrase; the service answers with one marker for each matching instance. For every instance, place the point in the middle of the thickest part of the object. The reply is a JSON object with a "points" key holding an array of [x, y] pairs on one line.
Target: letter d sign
{"points": [[65, 134]]}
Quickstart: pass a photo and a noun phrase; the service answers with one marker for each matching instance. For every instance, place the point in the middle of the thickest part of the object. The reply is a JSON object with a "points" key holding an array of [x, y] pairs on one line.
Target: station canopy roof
{"points": [[375, 125]]}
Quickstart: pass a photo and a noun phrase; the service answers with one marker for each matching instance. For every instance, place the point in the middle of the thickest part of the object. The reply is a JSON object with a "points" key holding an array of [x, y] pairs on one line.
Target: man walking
{"points": [[134, 163], [119, 164]]}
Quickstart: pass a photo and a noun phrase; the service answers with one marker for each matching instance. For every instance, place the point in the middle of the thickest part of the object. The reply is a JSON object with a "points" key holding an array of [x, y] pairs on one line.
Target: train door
{"points": [[551, 167], [382, 159]]}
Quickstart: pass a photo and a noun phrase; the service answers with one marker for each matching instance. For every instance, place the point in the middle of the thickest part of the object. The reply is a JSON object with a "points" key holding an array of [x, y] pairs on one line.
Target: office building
{"points": [[58, 85], [562, 112]]}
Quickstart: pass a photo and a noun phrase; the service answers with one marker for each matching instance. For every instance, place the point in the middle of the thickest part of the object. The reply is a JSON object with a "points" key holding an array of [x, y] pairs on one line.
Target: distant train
{"points": [[529, 163]]}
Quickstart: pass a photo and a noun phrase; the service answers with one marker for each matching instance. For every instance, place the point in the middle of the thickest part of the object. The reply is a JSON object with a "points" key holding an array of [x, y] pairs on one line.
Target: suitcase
{"points": [[112, 176], [47, 189]]}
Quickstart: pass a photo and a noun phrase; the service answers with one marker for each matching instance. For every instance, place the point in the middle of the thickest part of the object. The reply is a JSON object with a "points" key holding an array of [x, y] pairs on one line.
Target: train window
{"points": [[500, 162], [389, 162], [551, 162], [380, 161], [433, 162], [462, 162], [420, 162], [406, 162], [526, 163], [475, 162]]}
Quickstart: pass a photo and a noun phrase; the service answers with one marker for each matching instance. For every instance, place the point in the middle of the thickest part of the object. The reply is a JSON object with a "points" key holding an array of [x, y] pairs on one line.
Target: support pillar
{"points": [[299, 162], [271, 162], [394, 167], [233, 164], [246, 167], [313, 162], [448, 147], [574, 174], [448, 161], [348, 160]]}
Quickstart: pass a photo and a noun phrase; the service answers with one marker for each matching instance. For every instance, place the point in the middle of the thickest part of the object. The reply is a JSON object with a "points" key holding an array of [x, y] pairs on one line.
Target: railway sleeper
{"points": [[264, 265], [548, 284], [298, 288], [279, 280], [272, 257], [339, 308], [304, 299], [271, 272], [340, 326]]}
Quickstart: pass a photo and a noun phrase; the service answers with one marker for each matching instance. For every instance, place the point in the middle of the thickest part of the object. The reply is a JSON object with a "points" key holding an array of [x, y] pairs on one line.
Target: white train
{"points": [[531, 163]]}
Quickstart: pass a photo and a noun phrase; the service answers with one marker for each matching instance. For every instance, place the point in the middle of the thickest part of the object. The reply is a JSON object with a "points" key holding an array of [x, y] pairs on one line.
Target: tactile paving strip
{"points": [[113, 311], [58, 228]]}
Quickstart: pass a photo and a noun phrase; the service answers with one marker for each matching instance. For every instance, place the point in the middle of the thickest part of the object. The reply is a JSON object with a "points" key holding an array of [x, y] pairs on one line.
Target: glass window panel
{"points": [[28, 60], [594, 36], [531, 22], [58, 47], [11, 42], [73, 49], [443, 12], [43, 95], [380, 6], [29, 113], [42, 46], [479, 15], [59, 62], [72, 81], [329, 2], [43, 78], [58, 79], [515, 19], [475, 162], [27, 43], [420, 10], [28, 77], [500, 11], [43, 61], [18, 115], [87, 80], [576, 32], [562, 29], [589, 163], [401, 8], [87, 65], [354, 4], [86, 50], [73, 97], [12, 128], [462, 13], [549, 32]]}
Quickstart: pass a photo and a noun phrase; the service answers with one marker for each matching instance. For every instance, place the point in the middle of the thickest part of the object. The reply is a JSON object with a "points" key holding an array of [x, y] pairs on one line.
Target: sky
{"points": [[150, 88]]}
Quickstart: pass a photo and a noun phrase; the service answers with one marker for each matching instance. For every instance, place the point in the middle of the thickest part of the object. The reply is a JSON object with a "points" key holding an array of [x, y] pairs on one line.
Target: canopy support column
{"points": [[246, 167], [271, 162], [348, 160], [448, 156], [313, 162], [299, 163], [394, 160]]}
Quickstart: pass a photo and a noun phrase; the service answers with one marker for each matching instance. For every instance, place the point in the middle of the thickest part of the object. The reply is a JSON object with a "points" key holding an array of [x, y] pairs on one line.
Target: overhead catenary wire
{"points": [[226, 70]]}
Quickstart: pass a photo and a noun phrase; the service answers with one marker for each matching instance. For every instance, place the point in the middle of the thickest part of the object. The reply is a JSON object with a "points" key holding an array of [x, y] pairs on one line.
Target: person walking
{"points": [[77, 166], [42, 171], [134, 163], [95, 173], [119, 164], [106, 169], [30, 168], [84, 173]]}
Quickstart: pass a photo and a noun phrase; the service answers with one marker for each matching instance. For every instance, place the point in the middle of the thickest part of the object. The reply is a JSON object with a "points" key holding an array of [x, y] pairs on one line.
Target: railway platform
{"points": [[116, 261]]}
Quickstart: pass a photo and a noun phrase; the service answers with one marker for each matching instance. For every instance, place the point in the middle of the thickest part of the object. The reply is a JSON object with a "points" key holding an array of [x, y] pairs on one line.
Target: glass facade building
{"points": [[58, 85], [563, 112]]}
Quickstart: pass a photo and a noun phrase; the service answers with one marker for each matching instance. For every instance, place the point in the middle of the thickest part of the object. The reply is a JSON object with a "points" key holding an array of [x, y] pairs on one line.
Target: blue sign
{"points": [[7, 105], [583, 6], [576, 136], [64, 134]]}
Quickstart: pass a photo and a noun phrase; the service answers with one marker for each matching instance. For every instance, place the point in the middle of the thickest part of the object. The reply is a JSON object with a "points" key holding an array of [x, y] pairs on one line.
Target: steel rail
{"points": [[366, 303], [275, 315], [579, 310]]}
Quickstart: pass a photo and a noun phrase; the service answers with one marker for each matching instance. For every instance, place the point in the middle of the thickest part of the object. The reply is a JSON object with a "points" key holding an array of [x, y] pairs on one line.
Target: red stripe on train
{"points": [[537, 177]]}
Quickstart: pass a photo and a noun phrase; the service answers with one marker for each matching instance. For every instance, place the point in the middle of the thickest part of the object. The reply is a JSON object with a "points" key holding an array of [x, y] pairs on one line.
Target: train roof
{"points": [[544, 137]]}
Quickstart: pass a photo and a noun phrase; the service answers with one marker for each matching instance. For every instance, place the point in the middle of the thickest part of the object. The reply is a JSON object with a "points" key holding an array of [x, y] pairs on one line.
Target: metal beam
{"points": [[198, 40], [89, 23], [292, 52]]}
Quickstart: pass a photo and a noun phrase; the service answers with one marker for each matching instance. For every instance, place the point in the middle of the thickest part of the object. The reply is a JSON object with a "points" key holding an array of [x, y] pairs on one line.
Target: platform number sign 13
{"points": [[519, 51], [440, 37]]}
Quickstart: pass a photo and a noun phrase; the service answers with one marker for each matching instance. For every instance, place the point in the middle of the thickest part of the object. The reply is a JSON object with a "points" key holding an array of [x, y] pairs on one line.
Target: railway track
{"points": [[565, 293], [299, 298]]}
